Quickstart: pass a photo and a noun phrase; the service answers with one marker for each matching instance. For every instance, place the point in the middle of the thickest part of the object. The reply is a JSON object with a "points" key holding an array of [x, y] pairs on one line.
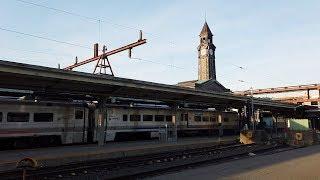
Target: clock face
{"points": [[211, 52], [203, 52]]}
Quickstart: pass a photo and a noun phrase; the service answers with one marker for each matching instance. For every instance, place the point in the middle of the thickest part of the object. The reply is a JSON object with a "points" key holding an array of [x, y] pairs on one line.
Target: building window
{"points": [[169, 118], [197, 118], [135, 117], [159, 117], [314, 103], [43, 117], [205, 118], [147, 117], [0, 116], [17, 117], [225, 119], [124, 117], [213, 119], [78, 114]]}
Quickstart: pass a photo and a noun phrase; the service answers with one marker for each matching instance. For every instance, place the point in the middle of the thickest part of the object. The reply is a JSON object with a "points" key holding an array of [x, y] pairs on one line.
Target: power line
{"points": [[155, 62], [268, 76], [59, 10], [37, 52], [19, 60], [45, 38], [177, 67], [94, 19]]}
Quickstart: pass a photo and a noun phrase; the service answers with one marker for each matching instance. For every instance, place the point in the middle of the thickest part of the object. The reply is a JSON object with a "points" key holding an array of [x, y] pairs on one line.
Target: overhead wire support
{"points": [[103, 61]]}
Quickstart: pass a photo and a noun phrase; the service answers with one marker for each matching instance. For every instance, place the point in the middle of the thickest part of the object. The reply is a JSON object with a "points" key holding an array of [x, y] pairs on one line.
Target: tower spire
{"points": [[206, 30]]}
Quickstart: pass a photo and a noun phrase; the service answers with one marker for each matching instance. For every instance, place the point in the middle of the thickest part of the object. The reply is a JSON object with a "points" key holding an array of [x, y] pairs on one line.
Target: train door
{"points": [[91, 125]]}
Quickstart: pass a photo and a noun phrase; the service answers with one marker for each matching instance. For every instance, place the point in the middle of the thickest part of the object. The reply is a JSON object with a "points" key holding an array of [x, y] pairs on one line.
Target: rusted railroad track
{"points": [[139, 165]]}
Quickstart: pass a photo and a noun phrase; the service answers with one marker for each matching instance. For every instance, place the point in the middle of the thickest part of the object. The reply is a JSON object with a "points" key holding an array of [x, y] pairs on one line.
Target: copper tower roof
{"points": [[206, 30]]}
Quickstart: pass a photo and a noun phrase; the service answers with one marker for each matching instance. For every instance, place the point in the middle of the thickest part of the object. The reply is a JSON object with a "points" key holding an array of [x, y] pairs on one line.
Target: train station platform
{"points": [[63, 155], [296, 164]]}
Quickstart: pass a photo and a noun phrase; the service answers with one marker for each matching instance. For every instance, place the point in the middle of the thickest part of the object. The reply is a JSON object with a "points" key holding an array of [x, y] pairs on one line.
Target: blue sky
{"points": [[277, 42]]}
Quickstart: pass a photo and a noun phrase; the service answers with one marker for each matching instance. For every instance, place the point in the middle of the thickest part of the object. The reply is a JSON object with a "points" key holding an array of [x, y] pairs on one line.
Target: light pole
{"points": [[252, 110], [252, 118]]}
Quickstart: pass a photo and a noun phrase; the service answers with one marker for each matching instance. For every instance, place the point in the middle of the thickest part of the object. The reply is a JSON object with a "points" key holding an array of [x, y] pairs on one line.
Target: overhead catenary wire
{"points": [[44, 38], [156, 62], [265, 76], [38, 52], [181, 68], [59, 10], [94, 19]]}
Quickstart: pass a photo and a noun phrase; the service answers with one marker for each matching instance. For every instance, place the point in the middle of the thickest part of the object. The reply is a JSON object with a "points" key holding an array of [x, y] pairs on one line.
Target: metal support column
{"points": [[256, 118], [276, 125], [101, 122], [240, 120], [175, 123]]}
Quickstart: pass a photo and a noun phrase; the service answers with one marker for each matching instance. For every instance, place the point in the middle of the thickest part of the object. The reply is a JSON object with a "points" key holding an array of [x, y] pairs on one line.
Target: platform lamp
{"points": [[252, 110], [253, 120]]}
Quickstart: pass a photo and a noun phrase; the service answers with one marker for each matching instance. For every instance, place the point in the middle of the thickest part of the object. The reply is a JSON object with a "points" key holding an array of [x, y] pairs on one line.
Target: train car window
{"points": [[197, 118], [159, 117], [225, 119], [134, 117], [0, 116], [147, 117], [43, 117], [17, 117], [205, 118], [124, 117], [213, 119], [186, 117], [78, 114], [169, 118]]}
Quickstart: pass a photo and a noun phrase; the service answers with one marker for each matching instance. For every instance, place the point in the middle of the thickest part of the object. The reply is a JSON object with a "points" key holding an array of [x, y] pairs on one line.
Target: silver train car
{"points": [[146, 121], [25, 122], [52, 123]]}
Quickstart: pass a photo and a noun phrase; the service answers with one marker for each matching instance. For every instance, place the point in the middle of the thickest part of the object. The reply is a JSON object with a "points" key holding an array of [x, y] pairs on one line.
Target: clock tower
{"points": [[206, 55], [207, 80]]}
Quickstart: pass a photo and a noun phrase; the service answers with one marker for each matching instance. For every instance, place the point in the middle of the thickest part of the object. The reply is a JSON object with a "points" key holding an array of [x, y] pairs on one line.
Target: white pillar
{"points": [[220, 124]]}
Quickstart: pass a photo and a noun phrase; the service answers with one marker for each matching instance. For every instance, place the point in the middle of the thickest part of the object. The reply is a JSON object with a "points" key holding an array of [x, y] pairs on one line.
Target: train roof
{"points": [[163, 107], [14, 100]]}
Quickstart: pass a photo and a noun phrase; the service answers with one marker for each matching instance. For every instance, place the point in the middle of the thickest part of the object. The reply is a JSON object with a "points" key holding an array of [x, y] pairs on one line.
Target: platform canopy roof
{"points": [[45, 80]]}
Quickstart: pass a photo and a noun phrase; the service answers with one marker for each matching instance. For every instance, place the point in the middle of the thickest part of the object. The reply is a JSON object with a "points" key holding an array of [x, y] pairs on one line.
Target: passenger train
{"points": [[47, 123]]}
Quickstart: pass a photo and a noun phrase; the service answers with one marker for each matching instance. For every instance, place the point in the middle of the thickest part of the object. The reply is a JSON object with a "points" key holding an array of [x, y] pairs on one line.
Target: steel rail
{"points": [[111, 168]]}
